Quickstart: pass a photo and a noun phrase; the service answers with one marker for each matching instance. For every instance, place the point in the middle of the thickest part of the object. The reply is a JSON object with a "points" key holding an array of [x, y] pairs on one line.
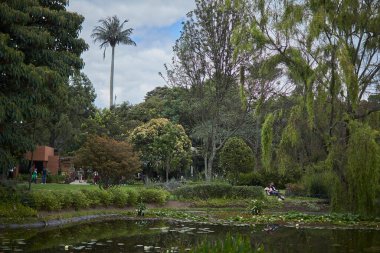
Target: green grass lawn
{"points": [[69, 187]]}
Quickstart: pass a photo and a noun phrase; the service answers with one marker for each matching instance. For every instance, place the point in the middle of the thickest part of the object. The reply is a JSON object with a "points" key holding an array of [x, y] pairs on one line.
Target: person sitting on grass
{"points": [[271, 190]]}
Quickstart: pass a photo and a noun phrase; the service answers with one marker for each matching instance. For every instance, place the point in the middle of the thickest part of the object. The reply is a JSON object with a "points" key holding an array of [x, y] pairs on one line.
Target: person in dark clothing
{"points": [[271, 190], [44, 174]]}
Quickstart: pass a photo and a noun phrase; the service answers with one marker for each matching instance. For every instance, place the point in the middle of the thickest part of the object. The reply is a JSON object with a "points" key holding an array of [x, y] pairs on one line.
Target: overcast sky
{"points": [[156, 24]]}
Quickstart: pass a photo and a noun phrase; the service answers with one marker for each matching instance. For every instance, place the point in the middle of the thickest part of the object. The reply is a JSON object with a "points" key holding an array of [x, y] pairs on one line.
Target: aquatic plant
{"points": [[236, 244], [255, 207]]}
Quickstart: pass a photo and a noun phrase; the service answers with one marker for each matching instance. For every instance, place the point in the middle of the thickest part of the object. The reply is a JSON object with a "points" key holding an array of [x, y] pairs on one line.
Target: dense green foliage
{"points": [[116, 196], [40, 50], [331, 67], [266, 141], [163, 145], [219, 190], [236, 157], [363, 171], [113, 160], [296, 82]]}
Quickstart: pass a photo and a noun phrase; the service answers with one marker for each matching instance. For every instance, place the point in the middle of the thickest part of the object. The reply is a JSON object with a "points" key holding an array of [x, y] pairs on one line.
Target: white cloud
{"points": [[156, 28]]}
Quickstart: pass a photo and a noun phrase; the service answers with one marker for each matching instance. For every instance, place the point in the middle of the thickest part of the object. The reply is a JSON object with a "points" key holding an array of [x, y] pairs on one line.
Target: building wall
{"points": [[53, 164], [45, 155], [41, 153]]}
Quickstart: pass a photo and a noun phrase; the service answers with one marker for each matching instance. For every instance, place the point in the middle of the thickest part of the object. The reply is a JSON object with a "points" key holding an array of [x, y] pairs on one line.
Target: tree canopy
{"points": [[115, 161], [163, 145], [40, 50]]}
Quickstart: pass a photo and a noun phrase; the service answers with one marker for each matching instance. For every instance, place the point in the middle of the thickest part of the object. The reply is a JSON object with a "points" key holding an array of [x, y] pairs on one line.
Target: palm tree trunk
{"points": [[111, 79]]}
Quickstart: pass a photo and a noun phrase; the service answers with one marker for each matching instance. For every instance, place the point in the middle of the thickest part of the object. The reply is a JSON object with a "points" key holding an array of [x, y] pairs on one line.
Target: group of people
{"points": [[35, 174], [271, 190]]}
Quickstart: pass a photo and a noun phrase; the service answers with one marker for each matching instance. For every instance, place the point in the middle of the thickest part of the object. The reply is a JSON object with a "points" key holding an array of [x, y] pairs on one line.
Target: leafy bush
{"points": [[65, 198], [220, 203], [132, 197], [80, 200], [247, 192], [172, 184], [251, 178], [295, 190], [94, 196], [59, 179], [158, 196], [119, 196], [16, 210], [318, 184], [45, 200], [219, 190], [203, 191], [9, 192], [105, 197], [255, 207], [235, 157]]}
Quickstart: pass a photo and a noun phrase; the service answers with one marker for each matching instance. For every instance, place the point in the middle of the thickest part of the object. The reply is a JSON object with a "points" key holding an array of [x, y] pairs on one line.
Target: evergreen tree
{"points": [[40, 49]]}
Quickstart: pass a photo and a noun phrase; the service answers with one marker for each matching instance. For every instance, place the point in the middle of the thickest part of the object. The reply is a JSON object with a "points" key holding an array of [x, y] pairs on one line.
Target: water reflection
{"points": [[159, 236]]}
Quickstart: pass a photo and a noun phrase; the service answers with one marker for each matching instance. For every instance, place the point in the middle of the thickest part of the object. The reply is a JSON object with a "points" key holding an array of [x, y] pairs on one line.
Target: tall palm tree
{"points": [[110, 33]]}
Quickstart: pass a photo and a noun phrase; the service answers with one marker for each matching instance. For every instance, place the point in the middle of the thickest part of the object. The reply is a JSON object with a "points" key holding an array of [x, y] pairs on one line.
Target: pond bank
{"points": [[179, 212]]}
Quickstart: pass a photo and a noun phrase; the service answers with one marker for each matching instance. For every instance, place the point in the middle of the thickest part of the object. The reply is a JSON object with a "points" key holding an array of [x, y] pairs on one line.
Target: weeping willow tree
{"points": [[363, 170], [267, 141], [290, 142], [331, 56]]}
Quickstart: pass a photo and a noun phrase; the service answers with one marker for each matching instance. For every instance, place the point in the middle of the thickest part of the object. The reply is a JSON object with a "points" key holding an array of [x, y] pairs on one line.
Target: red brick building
{"points": [[43, 157]]}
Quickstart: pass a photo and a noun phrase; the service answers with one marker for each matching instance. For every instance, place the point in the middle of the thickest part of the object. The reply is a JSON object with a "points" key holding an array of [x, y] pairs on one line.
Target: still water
{"points": [[160, 236]]}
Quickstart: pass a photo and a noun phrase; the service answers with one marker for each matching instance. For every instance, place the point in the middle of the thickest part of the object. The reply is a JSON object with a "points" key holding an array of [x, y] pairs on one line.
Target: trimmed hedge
{"points": [[220, 190], [120, 197], [16, 210], [151, 195]]}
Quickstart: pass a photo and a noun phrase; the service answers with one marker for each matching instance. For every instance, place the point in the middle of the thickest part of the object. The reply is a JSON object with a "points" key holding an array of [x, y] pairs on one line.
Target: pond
{"points": [[159, 236]]}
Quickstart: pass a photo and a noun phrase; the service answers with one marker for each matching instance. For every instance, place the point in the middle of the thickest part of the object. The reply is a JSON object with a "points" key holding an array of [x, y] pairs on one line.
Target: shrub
{"points": [[132, 196], [9, 192], [219, 190], [79, 200], [94, 196], [158, 196], [59, 179], [65, 198], [235, 157], [255, 207], [105, 197], [295, 190], [251, 178], [45, 200], [16, 210], [203, 191], [119, 196], [247, 192], [318, 184], [172, 184]]}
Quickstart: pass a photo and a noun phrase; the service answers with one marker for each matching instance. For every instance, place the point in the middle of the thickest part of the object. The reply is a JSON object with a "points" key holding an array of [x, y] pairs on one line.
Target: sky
{"points": [[156, 23]]}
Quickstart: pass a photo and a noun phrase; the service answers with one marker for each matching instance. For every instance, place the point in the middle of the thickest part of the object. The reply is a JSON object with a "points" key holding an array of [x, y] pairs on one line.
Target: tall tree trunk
{"points": [[258, 141], [206, 164], [211, 161], [111, 79]]}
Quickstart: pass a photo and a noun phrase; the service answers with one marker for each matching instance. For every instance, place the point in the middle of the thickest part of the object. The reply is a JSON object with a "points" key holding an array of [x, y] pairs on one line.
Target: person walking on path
{"points": [[44, 174], [34, 176]]}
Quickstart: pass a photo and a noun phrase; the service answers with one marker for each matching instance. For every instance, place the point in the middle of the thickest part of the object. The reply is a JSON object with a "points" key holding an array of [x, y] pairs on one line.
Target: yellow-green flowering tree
{"points": [[163, 145]]}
